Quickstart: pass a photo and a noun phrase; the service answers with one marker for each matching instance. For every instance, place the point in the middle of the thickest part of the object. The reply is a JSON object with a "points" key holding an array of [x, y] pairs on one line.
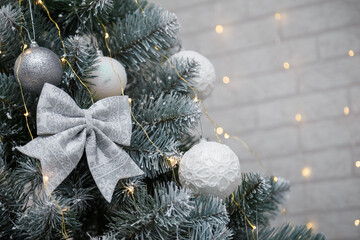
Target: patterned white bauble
{"points": [[204, 83], [210, 168], [106, 78]]}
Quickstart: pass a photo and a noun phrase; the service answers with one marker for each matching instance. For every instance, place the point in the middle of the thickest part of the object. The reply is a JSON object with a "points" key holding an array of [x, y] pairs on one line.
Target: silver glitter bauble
{"points": [[109, 78], [210, 168], [204, 83], [38, 66]]}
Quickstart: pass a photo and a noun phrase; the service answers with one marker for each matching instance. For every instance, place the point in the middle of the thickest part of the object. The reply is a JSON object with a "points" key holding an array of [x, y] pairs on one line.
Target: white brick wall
{"points": [[261, 101]]}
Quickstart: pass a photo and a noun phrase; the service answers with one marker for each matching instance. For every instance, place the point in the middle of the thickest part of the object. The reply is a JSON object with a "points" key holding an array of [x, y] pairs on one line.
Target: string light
{"points": [[226, 136], [286, 65], [66, 209], [109, 50], [246, 218], [357, 163], [26, 114], [346, 110], [309, 225], [39, 2], [46, 179], [219, 130], [277, 16], [306, 172], [357, 222], [351, 53], [219, 29], [173, 161], [130, 190], [226, 79], [276, 179], [298, 117]]}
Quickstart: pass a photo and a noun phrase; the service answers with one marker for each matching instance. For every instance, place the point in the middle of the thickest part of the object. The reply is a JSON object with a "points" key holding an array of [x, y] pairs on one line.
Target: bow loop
{"points": [[56, 111], [106, 115], [65, 130]]}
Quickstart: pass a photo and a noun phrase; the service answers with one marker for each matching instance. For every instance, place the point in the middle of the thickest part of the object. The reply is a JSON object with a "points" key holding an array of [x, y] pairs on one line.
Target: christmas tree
{"points": [[99, 103]]}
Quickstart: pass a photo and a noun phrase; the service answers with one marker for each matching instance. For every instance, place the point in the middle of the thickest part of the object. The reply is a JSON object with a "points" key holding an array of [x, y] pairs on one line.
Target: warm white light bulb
{"points": [[219, 29], [226, 79], [46, 179], [286, 65], [306, 172], [357, 222], [357, 163], [309, 225], [219, 130]]}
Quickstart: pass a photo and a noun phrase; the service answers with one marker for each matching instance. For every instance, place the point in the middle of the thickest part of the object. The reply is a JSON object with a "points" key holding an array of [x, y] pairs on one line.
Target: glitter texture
{"points": [[38, 66]]}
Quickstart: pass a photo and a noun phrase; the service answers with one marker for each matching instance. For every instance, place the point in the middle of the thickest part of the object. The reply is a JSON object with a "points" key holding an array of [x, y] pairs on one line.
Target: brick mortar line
{"points": [[320, 212], [283, 97], [286, 40], [344, 147], [254, 18], [279, 70], [322, 180], [270, 157]]}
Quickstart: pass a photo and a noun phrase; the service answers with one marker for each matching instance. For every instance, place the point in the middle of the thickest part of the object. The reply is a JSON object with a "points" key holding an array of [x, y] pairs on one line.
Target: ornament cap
{"points": [[34, 44]]}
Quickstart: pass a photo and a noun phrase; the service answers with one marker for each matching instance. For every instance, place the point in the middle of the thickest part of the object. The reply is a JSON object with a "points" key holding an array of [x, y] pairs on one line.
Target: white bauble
{"points": [[210, 168], [106, 78], [204, 83]]}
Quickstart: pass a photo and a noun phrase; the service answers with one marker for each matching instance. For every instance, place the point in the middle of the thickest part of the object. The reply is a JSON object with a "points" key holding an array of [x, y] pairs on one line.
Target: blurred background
{"points": [[288, 84]]}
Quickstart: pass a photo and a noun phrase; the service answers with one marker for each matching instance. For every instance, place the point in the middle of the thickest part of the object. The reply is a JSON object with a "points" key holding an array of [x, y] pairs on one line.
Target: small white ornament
{"points": [[204, 83], [210, 168], [109, 78]]}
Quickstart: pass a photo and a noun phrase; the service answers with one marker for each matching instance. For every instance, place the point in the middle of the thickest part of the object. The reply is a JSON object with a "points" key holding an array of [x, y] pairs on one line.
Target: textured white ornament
{"points": [[204, 83], [106, 78], [210, 168]]}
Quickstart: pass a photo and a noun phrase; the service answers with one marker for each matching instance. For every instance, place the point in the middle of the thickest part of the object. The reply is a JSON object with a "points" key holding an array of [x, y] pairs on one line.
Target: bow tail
{"points": [[108, 163], [58, 155]]}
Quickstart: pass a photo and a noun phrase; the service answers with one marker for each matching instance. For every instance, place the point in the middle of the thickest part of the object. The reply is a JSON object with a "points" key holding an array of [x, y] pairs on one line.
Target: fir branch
{"points": [[11, 203], [134, 38], [10, 42], [44, 220], [163, 79], [259, 199], [289, 232], [13, 131], [208, 220], [174, 113], [157, 217], [145, 154], [82, 57]]}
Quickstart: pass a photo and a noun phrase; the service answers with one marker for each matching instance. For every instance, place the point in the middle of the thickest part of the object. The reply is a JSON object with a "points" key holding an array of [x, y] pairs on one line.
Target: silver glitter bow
{"points": [[65, 130]]}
